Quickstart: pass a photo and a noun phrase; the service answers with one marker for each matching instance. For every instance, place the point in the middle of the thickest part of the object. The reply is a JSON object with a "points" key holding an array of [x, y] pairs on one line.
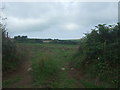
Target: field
{"points": [[60, 45], [47, 66]]}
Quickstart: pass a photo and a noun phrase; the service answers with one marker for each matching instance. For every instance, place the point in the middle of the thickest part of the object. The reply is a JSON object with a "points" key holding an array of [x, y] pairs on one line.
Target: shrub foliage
{"points": [[100, 49], [9, 58]]}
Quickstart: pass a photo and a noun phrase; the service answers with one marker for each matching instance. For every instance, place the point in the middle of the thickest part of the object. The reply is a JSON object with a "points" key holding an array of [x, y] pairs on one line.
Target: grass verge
{"points": [[8, 83]]}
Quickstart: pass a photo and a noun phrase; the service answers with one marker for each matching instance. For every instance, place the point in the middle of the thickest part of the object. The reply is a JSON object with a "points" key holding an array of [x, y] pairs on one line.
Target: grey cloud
{"points": [[58, 16]]}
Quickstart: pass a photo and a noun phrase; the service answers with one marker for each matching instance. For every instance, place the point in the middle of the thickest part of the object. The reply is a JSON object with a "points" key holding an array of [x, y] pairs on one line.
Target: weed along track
{"points": [[47, 66], [21, 78]]}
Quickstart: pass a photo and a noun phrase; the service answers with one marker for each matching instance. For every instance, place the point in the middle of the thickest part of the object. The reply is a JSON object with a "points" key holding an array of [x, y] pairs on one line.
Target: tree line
{"points": [[25, 39]]}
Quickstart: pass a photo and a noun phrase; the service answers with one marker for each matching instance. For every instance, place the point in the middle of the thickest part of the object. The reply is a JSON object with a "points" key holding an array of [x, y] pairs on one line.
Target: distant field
{"points": [[47, 45]]}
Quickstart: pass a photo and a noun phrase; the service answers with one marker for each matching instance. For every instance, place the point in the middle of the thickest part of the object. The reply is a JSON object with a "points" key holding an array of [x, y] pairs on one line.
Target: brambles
{"points": [[9, 52], [99, 48]]}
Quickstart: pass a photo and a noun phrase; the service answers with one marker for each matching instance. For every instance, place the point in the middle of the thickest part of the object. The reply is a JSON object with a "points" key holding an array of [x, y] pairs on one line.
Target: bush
{"points": [[9, 52], [101, 47]]}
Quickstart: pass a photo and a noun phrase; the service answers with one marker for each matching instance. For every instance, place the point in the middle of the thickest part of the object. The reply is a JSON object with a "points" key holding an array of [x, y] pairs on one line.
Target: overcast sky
{"points": [[58, 20]]}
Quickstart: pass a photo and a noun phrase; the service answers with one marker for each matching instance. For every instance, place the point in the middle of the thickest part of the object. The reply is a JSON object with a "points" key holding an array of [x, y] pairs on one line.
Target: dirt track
{"points": [[26, 80]]}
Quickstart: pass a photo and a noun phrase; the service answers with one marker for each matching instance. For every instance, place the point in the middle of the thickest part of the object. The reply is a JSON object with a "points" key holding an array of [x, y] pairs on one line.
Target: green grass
{"points": [[64, 81], [89, 84], [47, 63], [48, 45], [8, 83], [44, 67]]}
